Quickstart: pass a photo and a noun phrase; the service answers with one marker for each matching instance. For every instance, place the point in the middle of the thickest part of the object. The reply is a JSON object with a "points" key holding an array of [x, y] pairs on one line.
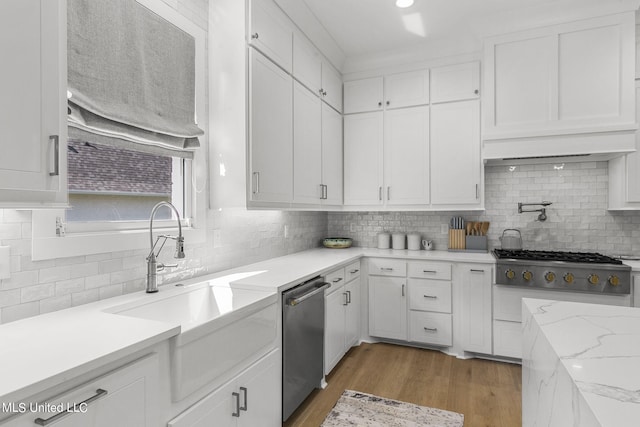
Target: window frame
{"points": [[105, 236]]}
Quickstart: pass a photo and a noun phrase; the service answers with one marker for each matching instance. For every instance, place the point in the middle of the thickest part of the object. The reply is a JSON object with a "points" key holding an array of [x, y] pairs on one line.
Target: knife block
{"points": [[457, 239]]}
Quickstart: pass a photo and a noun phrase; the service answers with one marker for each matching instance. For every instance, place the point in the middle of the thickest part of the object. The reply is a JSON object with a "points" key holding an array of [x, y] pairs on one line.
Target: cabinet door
{"points": [[261, 402], [270, 32], [334, 327], [270, 131], [361, 96], [455, 82], [406, 89], [307, 63], [33, 82], [406, 156], [352, 317], [455, 153], [388, 307], [476, 307], [363, 135], [332, 156], [332, 86], [216, 408], [307, 146]]}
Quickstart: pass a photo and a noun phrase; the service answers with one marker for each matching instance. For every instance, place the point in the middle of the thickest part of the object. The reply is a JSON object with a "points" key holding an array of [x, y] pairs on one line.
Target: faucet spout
{"points": [[152, 264]]}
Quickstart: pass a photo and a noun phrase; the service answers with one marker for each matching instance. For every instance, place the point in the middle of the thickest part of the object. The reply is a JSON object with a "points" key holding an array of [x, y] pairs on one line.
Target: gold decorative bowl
{"points": [[337, 242]]}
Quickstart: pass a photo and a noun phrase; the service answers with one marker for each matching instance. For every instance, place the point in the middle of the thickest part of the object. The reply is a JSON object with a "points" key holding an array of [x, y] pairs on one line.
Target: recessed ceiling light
{"points": [[404, 3]]}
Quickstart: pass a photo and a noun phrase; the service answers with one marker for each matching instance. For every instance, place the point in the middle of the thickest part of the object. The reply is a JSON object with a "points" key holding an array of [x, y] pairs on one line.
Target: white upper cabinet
{"points": [[307, 146], [270, 131], [559, 80], [364, 95], [363, 138], [406, 156], [331, 86], [33, 82], [271, 32], [406, 89], [624, 174], [307, 63], [331, 156], [455, 82], [455, 153]]}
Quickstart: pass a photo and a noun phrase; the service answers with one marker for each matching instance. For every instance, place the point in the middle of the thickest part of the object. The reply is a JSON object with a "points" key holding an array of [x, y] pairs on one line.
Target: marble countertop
{"points": [[43, 351], [597, 348]]}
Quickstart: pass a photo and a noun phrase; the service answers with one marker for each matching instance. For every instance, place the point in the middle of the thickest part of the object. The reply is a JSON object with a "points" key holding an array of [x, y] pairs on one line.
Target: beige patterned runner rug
{"points": [[361, 409]]}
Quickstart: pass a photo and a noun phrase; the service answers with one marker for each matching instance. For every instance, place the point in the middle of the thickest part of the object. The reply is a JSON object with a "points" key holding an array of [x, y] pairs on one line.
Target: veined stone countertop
{"points": [[580, 364]]}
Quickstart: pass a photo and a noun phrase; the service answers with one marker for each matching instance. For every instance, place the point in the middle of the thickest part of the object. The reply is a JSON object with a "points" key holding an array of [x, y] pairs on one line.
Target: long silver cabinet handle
{"points": [[379, 193], [42, 422], [237, 397], [429, 271], [476, 270], [354, 271], [431, 296], [256, 179], [346, 298], [295, 301], [337, 279], [431, 329], [386, 269], [349, 297], [388, 193], [55, 139], [244, 392], [403, 289]]}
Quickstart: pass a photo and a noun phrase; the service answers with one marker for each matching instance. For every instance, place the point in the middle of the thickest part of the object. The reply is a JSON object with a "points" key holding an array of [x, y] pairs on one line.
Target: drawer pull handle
{"points": [[431, 329], [41, 422], [429, 271], [403, 289], [353, 271], [477, 271], [348, 297], [430, 296], [386, 269], [244, 393], [336, 280], [55, 139], [237, 397]]}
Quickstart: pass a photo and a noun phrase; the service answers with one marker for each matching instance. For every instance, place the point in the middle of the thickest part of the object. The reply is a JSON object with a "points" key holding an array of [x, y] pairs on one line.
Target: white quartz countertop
{"points": [[43, 351], [598, 346]]}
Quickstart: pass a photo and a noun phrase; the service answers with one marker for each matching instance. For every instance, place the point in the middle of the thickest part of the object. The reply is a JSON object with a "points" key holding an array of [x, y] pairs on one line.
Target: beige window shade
{"points": [[132, 78]]}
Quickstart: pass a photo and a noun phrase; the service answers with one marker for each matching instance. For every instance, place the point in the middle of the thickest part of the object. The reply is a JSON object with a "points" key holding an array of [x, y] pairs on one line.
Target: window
{"points": [[109, 185]]}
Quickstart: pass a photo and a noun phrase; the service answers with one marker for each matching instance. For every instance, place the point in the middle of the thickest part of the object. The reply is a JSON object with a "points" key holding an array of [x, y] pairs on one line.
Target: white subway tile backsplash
{"points": [[37, 292], [66, 287], [48, 305], [85, 297], [11, 297], [20, 279], [55, 274], [20, 311]]}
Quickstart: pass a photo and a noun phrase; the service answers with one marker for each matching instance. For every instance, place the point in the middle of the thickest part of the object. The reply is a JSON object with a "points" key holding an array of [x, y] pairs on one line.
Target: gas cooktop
{"points": [[563, 271]]}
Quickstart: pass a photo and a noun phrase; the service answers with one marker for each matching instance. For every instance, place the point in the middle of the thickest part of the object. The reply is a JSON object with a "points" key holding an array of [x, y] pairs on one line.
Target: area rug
{"points": [[361, 409]]}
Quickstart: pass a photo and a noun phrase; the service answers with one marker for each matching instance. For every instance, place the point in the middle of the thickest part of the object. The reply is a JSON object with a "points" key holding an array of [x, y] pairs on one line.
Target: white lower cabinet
{"points": [[430, 328], [252, 398], [342, 315], [475, 283], [388, 307], [126, 397], [507, 338]]}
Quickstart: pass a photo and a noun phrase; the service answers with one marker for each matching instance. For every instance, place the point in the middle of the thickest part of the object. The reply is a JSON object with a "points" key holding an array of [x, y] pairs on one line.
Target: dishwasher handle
{"points": [[321, 287]]}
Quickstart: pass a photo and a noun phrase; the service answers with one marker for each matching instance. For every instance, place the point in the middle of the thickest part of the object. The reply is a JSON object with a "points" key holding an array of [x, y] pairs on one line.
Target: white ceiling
{"points": [[365, 27]]}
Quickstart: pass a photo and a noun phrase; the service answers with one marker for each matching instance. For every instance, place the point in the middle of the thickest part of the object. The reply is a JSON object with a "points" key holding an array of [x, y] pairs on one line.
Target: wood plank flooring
{"points": [[487, 393]]}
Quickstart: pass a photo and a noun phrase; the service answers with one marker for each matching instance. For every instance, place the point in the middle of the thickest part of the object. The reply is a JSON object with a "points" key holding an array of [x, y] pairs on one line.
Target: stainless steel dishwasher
{"points": [[302, 342]]}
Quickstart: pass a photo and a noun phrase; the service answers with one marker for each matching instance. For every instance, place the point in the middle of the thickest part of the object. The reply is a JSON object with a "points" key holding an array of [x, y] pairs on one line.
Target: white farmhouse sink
{"points": [[221, 326]]}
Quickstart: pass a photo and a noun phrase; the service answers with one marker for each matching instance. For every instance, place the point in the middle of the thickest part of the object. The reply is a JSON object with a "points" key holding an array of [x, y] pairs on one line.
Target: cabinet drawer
{"points": [[430, 295], [430, 328], [335, 279], [125, 397], [387, 267], [352, 271], [507, 339], [430, 270]]}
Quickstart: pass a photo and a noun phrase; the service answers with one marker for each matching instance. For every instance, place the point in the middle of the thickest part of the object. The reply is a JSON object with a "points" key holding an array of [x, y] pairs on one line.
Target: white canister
{"points": [[398, 240], [384, 241], [414, 240]]}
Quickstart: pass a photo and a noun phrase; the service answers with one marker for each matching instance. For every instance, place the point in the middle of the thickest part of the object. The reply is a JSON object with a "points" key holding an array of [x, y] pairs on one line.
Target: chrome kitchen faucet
{"points": [[152, 265]]}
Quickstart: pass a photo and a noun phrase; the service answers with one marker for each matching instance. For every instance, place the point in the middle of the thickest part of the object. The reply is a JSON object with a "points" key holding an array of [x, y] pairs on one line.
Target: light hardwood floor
{"points": [[487, 393]]}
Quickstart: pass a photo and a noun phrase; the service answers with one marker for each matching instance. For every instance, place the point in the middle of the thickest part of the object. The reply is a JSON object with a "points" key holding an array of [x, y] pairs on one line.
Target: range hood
{"points": [[581, 147]]}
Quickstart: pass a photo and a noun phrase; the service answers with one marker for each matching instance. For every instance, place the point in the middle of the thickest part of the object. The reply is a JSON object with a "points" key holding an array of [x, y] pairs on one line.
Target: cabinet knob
{"points": [[254, 36], [388, 102], [476, 91], [380, 104]]}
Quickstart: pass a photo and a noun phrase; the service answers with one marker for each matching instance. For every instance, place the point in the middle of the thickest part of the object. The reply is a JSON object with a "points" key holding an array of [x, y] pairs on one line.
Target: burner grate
{"points": [[577, 257]]}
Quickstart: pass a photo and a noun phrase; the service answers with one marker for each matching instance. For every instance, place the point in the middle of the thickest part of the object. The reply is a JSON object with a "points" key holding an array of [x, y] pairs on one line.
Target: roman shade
{"points": [[131, 75]]}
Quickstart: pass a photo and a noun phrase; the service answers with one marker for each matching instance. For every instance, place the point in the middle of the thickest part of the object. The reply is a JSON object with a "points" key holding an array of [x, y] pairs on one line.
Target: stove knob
{"points": [[510, 274], [550, 276], [527, 275], [614, 280], [568, 278], [594, 279]]}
